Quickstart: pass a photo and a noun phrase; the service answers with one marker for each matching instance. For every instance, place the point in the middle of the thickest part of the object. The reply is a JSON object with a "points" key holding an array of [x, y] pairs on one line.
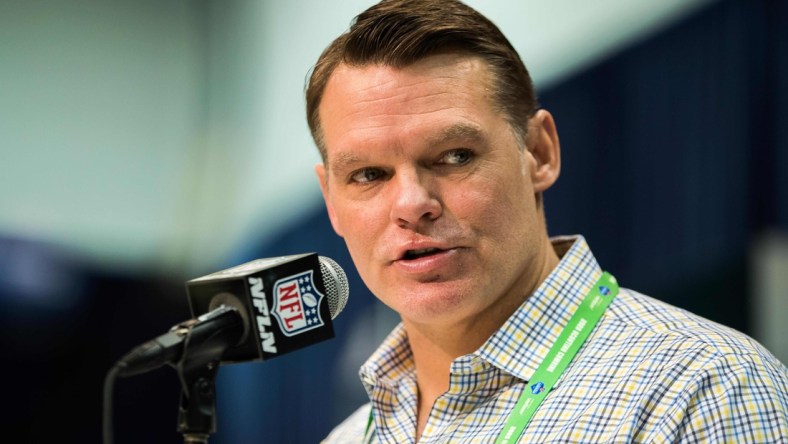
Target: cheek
{"points": [[498, 211], [486, 202], [360, 224]]}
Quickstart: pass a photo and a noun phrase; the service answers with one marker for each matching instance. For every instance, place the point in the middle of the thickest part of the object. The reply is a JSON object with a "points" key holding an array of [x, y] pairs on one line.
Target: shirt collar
{"points": [[391, 361], [522, 342]]}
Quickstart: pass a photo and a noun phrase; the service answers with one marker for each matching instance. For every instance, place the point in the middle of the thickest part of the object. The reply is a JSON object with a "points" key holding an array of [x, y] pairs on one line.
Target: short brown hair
{"points": [[398, 33]]}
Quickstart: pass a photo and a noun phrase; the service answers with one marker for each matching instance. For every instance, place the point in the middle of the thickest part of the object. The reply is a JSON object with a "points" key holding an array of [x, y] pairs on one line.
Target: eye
{"points": [[367, 175], [457, 157]]}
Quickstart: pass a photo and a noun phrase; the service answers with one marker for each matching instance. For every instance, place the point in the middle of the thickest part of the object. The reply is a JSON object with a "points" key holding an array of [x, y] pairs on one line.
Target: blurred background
{"points": [[145, 143]]}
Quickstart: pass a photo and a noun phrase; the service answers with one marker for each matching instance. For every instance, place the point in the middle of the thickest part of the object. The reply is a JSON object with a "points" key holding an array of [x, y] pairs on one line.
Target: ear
{"points": [[322, 177], [542, 143]]}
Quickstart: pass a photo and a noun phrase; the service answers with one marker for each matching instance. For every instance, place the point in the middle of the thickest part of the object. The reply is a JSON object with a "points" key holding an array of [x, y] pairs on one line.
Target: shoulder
{"points": [[352, 428], [705, 379], [655, 320]]}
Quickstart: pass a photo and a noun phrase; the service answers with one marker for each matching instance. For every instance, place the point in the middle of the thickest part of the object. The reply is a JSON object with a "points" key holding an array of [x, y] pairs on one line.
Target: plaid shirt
{"points": [[649, 372]]}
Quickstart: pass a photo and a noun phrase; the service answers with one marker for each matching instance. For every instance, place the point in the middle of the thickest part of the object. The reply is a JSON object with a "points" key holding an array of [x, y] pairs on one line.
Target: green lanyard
{"points": [[560, 355], [557, 360]]}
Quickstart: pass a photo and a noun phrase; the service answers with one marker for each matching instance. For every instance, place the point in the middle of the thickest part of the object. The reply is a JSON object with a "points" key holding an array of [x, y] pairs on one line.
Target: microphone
{"points": [[255, 311]]}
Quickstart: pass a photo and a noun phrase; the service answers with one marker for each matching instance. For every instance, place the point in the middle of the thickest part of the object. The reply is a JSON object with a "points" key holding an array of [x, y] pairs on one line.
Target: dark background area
{"points": [[674, 152]]}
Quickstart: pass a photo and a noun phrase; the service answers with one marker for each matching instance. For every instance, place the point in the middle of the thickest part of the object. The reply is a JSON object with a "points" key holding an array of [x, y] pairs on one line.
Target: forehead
{"points": [[445, 93]]}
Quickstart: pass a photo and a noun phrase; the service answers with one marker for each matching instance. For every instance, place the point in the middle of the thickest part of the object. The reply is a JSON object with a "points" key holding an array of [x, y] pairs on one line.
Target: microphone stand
{"points": [[197, 410], [197, 369]]}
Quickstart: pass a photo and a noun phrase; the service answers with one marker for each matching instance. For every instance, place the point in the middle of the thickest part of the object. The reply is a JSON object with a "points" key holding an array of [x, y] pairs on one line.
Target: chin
{"points": [[435, 304]]}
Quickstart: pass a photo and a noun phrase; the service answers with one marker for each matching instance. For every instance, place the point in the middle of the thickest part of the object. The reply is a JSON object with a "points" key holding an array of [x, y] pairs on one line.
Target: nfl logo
{"points": [[297, 304]]}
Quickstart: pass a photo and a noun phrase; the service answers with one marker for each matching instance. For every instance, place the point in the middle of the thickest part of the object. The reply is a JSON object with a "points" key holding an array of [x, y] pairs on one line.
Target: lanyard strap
{"points": [[369, 432], [557, 360], [560, 355]]}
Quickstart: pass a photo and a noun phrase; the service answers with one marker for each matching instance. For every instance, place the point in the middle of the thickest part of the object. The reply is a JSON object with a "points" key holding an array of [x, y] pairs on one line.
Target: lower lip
{"points": [[428, 264]]}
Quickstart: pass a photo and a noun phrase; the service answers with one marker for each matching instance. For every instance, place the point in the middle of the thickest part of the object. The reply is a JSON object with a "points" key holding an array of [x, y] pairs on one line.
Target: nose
{"points": [[415, 200]]}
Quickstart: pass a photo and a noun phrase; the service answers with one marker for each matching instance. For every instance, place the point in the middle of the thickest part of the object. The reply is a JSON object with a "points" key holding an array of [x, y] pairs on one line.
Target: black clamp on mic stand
{"points": [[205, 341], [197, 410]]}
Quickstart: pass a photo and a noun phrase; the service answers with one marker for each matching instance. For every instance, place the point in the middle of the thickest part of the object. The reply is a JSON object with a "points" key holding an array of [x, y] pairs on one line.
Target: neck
{"points": [[435, 347]]}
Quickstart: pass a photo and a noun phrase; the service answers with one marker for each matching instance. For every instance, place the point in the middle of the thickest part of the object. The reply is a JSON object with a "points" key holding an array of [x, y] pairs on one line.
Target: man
{"points": [[435, 158]]}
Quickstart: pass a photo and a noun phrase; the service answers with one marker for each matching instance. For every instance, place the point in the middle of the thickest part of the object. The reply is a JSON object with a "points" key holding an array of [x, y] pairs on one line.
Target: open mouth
{"points": [[422, 252]]}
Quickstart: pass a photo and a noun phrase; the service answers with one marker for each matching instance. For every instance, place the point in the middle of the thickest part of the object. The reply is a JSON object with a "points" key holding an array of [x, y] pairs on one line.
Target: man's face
{"points": [[428, 186]]}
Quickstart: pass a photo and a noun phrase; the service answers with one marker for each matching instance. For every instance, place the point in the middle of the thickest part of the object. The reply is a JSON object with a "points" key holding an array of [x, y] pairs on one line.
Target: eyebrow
{"points": [[464, 131], [343, 161], [459, 131]]}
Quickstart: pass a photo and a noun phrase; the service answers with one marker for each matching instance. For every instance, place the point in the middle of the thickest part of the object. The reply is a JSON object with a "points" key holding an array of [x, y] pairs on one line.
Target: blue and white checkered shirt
{"points": [[649, 372]]}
